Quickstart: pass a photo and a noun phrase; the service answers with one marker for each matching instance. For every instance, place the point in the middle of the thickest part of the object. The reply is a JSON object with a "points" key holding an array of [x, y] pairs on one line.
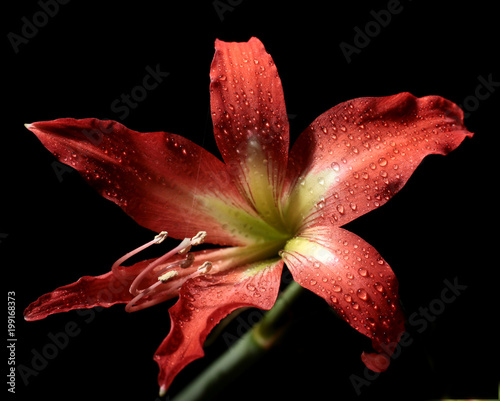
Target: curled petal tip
{"points": [[376, 362], [163, 391]]}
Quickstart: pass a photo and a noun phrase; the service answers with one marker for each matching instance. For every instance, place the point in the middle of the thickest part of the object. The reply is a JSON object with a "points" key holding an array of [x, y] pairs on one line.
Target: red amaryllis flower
{"points": [[267, 206]]}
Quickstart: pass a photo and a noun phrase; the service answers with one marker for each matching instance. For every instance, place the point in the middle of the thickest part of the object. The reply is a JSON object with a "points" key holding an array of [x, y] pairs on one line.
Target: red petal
{"points": [[110, 289], [163, 181], [364, 150], [353, 278], [249, 118], [105, 290], [203, 302]]}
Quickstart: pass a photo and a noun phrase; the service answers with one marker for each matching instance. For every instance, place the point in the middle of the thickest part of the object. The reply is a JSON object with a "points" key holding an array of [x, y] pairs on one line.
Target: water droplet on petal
{"points": [[362, 294], [363, 272], [335, 166], [382, 161], [379, 287], [340, 209], [336, 288]]}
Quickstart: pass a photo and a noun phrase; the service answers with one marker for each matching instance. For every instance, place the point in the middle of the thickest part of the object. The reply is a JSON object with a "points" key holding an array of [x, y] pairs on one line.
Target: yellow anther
{"points": [[205, 267], [168, 275]]}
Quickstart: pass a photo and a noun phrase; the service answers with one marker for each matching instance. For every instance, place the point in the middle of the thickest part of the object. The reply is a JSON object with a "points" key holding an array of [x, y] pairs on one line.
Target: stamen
{"points": [[161, 237], [132, 307], [166, 272], [183, 247], [199, 238], [183, 264], [205, 267], [168, 275], [196, 240], [188, 261], [135, 284], [156, 240]]}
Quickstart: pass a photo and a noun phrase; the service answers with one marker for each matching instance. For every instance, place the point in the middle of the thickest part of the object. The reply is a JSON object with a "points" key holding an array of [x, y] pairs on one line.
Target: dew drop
{"points": [[379, 287], [250, 287], [335, 166], [337, 288], [362, 294], [382, 162], [363, 272], [340, 209], [313, 282]]}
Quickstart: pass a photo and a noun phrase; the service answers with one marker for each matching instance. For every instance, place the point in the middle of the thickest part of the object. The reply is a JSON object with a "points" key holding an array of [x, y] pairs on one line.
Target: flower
{"points": [[264, 205]]}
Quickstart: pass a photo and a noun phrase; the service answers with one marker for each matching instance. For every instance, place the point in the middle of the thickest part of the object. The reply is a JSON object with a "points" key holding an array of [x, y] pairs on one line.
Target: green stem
{"points": [[244, 353]]}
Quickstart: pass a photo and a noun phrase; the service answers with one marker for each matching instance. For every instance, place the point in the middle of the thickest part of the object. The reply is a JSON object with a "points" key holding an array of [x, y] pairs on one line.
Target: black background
{"points": [[442, 225]]}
